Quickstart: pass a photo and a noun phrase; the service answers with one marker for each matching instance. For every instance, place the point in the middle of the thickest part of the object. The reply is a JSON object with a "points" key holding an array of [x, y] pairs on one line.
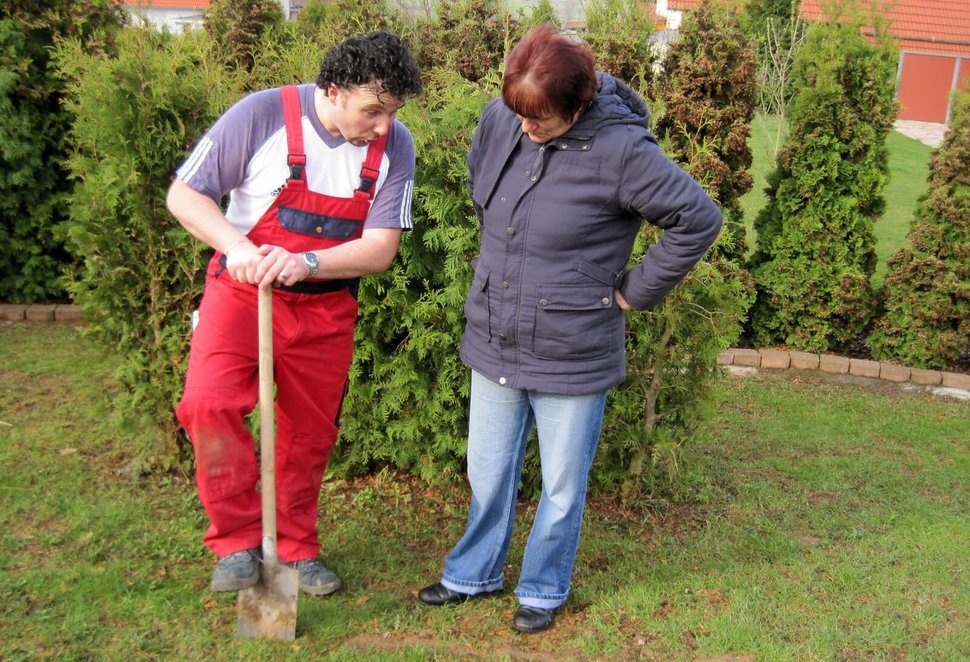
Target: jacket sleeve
{"points": [[658, 190]]}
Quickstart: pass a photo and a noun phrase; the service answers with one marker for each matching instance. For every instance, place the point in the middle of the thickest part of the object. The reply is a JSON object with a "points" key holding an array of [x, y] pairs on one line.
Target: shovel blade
{"points": [[268, 609]]}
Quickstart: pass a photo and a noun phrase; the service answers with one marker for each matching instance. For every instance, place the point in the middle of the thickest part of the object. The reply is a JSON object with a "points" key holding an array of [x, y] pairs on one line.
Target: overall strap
{"points": [[371, 170], [293, 120]]}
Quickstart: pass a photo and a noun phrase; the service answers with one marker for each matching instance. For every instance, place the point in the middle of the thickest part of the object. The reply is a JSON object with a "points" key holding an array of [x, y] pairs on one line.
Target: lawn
{"points": [[908, 169], [821, 519]]}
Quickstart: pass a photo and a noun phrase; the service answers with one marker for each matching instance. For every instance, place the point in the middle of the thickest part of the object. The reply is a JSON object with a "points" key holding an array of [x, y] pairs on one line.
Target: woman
{"points": [[562, 169]]}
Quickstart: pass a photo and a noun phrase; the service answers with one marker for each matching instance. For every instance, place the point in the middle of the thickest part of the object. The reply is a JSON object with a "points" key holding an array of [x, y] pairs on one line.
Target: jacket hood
{"points": [[615, 103]]}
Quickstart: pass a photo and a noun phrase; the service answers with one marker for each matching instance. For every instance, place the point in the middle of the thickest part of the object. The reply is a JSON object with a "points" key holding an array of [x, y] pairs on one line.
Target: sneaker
{"points": [[236, 571], [315, 578]]}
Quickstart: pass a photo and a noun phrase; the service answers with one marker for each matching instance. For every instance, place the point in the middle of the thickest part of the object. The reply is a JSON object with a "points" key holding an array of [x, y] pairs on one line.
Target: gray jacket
{"points": [[558, 222]]}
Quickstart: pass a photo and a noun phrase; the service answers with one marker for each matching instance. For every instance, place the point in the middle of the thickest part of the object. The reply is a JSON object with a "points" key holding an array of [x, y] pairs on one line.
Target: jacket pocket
{"points": [[477, 316], [574, 322]]}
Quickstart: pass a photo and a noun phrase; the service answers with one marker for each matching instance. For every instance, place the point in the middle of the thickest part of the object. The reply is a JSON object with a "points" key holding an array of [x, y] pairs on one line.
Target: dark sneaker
{"points": [[236, 571], [315, 578]]}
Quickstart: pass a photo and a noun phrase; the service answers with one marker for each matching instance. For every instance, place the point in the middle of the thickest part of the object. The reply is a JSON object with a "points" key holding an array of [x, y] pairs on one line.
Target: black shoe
{"points": [[533, 619], [439, 594]]}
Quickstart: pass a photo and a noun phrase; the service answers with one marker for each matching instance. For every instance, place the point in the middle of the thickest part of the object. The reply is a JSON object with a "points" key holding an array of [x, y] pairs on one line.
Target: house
{"points": [[672, 12], [179, 15], [934, 52], [176, 15]]}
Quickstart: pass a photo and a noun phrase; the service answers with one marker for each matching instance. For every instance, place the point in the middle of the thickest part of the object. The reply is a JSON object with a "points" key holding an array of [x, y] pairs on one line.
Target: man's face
{"points": [[361, 114]]}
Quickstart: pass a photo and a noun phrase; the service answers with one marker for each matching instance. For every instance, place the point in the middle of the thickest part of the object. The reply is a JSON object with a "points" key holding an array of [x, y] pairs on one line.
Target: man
{"points": [[319, 179]]}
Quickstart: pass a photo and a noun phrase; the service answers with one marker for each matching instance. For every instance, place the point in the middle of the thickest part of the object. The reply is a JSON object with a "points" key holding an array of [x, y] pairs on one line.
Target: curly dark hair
{"points": [[377, 57]]}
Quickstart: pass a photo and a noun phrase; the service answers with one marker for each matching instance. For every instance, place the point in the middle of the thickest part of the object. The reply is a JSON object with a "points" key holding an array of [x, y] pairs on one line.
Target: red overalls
{"points": [[313, 333]]}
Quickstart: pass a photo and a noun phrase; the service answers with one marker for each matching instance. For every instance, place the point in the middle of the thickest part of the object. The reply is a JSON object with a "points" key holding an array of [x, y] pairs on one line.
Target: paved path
{"points": [[928, 133]]}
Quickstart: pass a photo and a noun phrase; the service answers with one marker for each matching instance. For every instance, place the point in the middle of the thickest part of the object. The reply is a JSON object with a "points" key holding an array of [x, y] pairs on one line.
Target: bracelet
{"points": [[233, 245]]}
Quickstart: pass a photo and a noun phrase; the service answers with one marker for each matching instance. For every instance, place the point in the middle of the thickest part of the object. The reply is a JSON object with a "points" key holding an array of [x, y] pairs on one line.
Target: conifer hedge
{"points": [[815, 251], [407, 407], [136, 115], [34, 185], [926, 318]]}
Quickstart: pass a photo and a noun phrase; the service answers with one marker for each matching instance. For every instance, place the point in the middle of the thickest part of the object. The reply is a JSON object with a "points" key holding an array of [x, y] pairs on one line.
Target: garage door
{"points": [[925, 83]]}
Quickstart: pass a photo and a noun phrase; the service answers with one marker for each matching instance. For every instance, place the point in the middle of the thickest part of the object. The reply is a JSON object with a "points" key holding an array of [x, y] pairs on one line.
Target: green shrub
{"points": [[708, 91], [708, 95], [926, 319], [34, 185], [237, 28], [136, 115], [618, 31], [815, 249], [470, 37], [408, 399]]}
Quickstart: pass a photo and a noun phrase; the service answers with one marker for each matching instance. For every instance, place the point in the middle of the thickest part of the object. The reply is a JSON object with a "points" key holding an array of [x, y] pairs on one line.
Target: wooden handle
{"points": [[267, 424]]}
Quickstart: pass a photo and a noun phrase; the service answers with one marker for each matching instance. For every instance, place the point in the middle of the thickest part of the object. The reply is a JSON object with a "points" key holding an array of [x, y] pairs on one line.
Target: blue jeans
{"points": [[500, 420]]}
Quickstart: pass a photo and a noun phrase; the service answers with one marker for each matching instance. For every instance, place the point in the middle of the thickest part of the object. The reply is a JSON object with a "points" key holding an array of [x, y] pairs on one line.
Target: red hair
{"points": [[548, 74]]}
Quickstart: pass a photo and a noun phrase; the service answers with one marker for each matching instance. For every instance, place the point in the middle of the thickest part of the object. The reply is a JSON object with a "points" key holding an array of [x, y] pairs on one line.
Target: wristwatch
{"points": [[312, 263]]}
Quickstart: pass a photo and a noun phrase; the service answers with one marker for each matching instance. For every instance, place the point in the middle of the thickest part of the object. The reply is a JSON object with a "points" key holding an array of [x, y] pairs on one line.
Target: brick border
{"points": [[841, 365], [770, 359]]}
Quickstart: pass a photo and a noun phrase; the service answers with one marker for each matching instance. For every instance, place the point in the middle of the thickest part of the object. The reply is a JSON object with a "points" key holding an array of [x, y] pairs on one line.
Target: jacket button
{"points": [[502, 336], [606, 301], [510, 231], [502, 380], [543, 302], [503, 199], [505, 284], [534, 178]]}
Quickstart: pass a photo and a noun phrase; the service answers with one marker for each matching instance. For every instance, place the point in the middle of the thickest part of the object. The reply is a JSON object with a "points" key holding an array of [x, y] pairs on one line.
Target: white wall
{"points": [[175, 19]]}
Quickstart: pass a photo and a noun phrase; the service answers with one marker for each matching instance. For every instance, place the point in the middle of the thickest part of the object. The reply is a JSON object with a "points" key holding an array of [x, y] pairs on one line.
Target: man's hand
{"points": [[265, 265]]}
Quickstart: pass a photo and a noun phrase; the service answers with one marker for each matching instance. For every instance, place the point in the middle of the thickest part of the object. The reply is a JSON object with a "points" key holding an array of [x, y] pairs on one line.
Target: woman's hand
{"points": [[621, 302]]}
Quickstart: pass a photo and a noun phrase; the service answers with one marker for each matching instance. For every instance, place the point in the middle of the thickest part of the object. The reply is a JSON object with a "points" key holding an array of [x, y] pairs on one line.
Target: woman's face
{"points": [[543, 129]]}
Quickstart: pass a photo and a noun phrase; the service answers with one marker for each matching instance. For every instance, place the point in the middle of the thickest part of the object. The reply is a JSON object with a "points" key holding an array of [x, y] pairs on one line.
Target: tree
{"points": [[618, 32], [470, 37], [237, 28], [815, 250], [708, 92], [926, 318], [136, 114], [34, 185]]}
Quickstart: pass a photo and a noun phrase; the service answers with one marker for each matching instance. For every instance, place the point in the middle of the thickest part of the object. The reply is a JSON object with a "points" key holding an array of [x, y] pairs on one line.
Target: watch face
{"points": [[312, 263]]}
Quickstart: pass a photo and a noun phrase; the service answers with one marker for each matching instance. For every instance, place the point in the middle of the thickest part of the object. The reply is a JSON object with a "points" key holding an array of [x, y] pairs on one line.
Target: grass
{"points": [[908, 170], [826, 520]]}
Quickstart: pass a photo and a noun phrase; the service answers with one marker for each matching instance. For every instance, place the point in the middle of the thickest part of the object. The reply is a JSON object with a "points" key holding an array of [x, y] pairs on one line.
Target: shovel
{"points": [[268, 609]]}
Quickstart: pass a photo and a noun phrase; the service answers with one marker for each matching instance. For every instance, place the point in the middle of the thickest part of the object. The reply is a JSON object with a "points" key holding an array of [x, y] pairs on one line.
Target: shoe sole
{"points": [[325, 589], [236, 585], [465, 597]]}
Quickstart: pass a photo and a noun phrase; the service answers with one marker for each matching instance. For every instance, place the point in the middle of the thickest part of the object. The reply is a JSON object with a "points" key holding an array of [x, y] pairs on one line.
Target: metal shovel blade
{"points": [[268, 609]]}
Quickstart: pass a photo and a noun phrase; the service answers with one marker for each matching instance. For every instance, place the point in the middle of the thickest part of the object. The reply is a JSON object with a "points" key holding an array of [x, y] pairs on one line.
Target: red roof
{"points": [[681, 5], [165, 4], [929, 26]]}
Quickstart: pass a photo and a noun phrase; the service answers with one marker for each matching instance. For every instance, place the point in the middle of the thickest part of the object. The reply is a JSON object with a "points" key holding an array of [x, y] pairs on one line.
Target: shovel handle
{"points": [[267, 424]]}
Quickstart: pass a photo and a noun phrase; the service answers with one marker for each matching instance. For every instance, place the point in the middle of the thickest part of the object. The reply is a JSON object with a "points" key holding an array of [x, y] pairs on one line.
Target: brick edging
{"points": [[747, 358], [841, 365], [54, 312]]}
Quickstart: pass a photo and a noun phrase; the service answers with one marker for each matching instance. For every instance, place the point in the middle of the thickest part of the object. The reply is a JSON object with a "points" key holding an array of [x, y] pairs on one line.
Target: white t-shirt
{"points": [[244, 155]]}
